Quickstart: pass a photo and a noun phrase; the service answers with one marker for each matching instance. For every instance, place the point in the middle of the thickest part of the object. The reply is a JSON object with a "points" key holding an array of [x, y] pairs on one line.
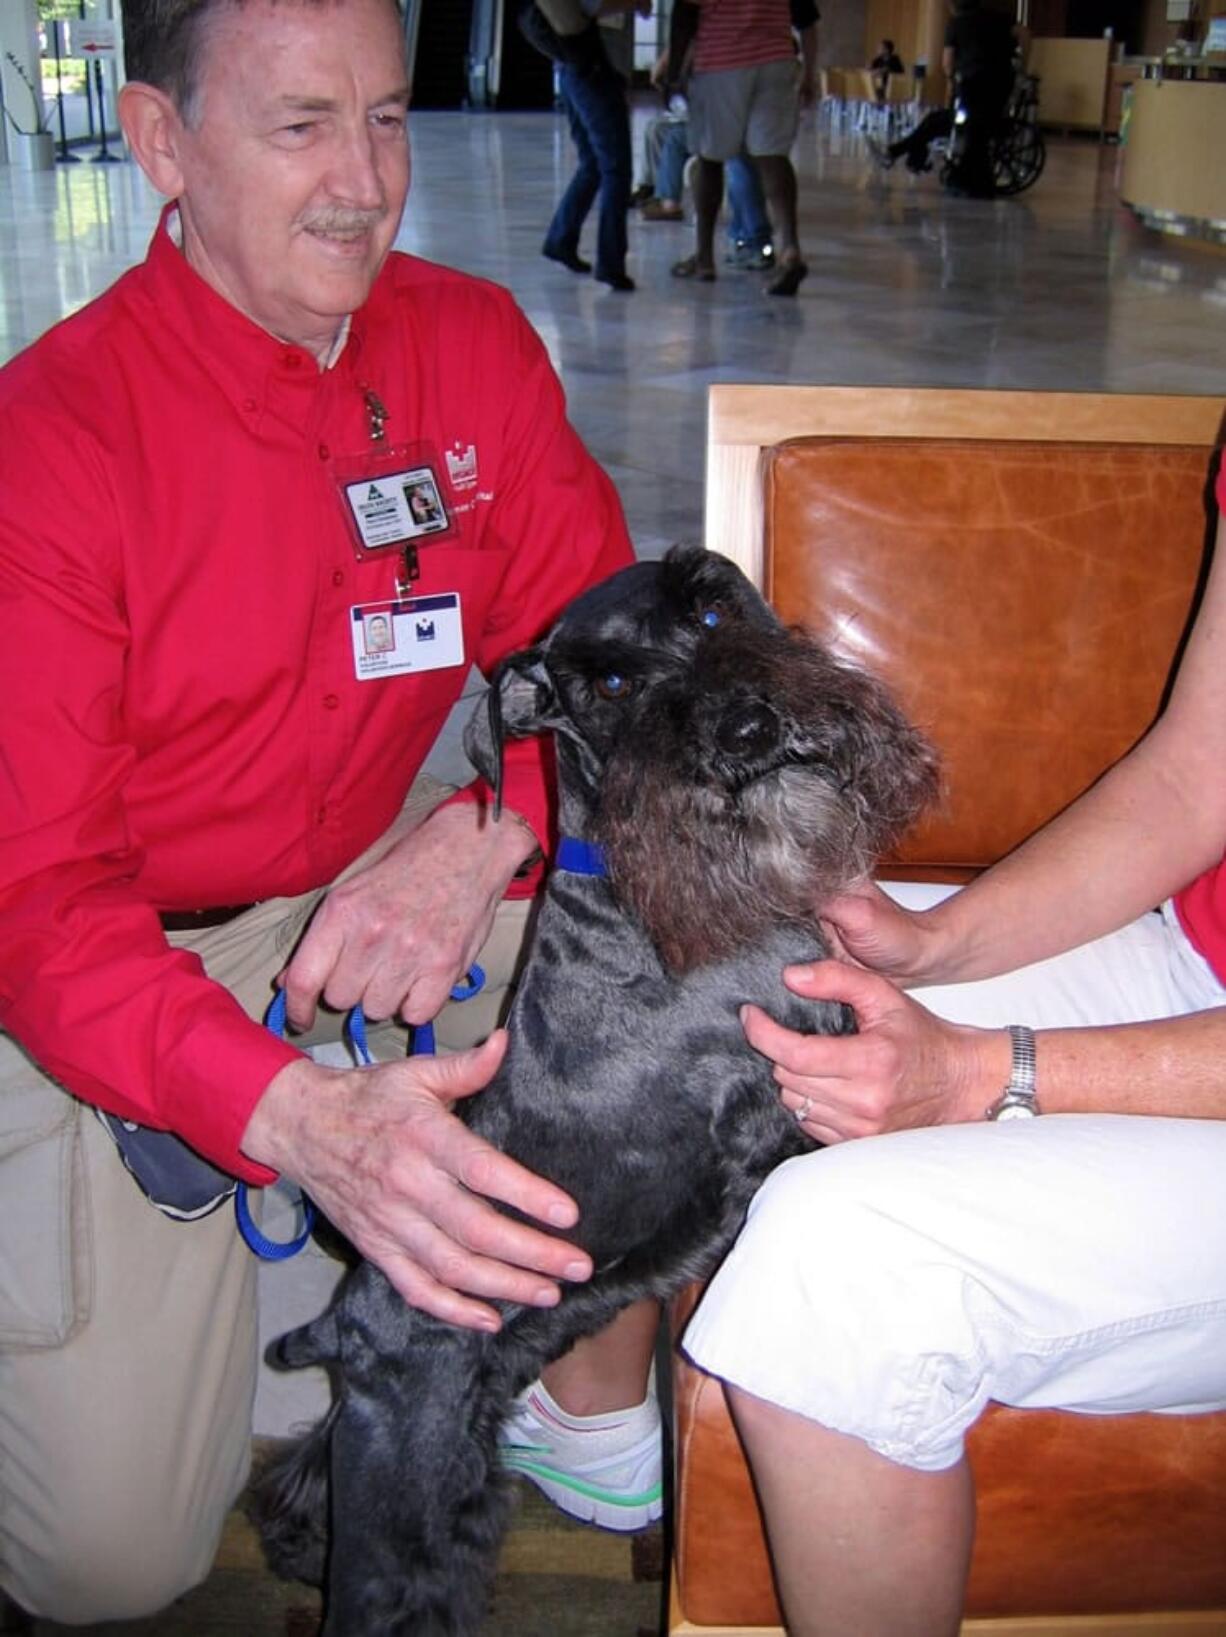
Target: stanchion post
{"points": [[64, 157], [104, 156]]}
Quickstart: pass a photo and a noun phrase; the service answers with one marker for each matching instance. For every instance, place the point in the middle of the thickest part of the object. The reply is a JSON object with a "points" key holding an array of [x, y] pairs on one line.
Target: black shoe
{"points": [[616, 281], [568, 258], [787, 280], [641, 194]]}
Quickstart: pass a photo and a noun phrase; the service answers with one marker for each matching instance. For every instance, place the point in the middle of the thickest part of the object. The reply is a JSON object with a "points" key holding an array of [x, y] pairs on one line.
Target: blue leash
{"points": [[280, 1250]]}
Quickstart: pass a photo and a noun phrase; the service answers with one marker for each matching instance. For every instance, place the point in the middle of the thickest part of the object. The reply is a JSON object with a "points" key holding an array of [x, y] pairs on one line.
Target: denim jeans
{"points": [[748, 223], [670, 166], [599, 119]]}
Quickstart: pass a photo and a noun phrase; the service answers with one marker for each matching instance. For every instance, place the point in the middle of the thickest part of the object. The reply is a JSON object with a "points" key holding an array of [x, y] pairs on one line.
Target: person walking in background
{"points": [[669, 164], [744, 96], [593, 96]]}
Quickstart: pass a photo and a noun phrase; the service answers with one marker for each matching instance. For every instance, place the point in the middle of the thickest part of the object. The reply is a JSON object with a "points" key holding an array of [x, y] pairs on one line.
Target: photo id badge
{"points": [[396, 507], [407, 634], [394, 500]]}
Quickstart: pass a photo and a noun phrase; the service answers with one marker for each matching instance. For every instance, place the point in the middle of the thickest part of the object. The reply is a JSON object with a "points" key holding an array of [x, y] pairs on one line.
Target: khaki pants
{"points": [[128, 1341]]}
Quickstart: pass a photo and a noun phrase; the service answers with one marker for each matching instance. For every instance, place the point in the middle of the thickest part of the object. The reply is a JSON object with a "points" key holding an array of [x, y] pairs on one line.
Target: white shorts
{"points": [[745, 110], [890, 1287]]}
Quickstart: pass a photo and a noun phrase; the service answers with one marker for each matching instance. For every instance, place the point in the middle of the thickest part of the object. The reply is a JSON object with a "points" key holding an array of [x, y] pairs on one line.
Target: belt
{"points": [[196, 920]]}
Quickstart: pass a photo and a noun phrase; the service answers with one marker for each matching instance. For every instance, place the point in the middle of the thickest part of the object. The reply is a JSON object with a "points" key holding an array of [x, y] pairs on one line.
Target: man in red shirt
{"points": [[207, 475]]}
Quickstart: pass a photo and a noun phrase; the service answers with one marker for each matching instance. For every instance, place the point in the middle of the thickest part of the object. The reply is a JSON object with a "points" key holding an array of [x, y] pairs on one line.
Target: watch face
{"points": [[1017, 1111]]}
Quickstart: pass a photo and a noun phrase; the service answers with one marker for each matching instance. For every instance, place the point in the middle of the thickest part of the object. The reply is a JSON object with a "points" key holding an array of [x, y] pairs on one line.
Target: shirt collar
{"points": [[237, 349]]}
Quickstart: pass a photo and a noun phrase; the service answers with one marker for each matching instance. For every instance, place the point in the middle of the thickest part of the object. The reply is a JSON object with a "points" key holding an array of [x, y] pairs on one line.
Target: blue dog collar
{"points": [[579, 857]]}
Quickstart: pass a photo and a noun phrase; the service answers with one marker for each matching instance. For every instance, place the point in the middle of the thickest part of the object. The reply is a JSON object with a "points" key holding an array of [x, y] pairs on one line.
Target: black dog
{"points": [[733, 774]]}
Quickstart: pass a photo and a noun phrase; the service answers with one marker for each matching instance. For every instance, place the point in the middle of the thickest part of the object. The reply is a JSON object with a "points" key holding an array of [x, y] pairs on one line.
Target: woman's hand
{"points": [[866, 928], [904, 1068]]}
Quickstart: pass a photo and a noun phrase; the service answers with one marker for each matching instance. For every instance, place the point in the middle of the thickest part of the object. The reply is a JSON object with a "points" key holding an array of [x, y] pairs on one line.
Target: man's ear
{"points": [[153, 129]]}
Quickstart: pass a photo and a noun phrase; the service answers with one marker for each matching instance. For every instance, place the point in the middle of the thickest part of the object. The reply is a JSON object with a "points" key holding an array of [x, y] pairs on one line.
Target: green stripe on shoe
{"points": [[517, 1463]]}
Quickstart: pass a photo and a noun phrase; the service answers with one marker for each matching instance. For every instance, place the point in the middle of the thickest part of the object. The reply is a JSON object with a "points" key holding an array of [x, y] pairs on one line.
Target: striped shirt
{"points": [[742, 34]]}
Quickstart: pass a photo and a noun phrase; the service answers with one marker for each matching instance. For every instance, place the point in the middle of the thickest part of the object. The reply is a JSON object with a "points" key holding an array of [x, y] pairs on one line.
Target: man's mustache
{"points": [[337, 220]]}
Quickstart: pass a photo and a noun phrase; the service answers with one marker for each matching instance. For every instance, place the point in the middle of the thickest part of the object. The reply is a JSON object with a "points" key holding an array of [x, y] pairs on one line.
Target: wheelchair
{"points": [[1018, 150]]}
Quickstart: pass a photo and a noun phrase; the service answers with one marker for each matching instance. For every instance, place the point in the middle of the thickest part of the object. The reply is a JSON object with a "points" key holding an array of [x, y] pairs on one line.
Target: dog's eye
{"points": [[613, 686], [712, 614]]}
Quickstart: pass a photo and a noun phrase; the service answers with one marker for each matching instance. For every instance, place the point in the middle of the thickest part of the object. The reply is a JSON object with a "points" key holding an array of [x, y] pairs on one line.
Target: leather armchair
{"points": [[1022, 567]]}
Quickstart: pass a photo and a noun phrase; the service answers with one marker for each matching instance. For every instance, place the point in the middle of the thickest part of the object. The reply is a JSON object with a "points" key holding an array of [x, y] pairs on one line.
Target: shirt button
{"points": [[250, 405], [330, 701], [293, 360], [324, 451], [338, 576], [322, 816]]}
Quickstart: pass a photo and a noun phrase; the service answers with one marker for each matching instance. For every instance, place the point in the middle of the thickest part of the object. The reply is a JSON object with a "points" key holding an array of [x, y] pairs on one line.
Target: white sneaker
{"points": [[601, 1469]]}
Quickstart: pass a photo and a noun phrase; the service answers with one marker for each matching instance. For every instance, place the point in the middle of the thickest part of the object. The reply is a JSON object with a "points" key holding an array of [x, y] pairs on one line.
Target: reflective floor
{"points": [[1057, 289]]}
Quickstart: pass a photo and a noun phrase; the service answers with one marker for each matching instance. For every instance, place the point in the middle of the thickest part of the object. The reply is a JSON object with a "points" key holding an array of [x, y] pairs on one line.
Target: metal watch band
{"points": [[1019, 1099]]}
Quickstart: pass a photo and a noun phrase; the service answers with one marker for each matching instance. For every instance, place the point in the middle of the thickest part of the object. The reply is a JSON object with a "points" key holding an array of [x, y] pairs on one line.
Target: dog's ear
{"points": [[520, 701]]}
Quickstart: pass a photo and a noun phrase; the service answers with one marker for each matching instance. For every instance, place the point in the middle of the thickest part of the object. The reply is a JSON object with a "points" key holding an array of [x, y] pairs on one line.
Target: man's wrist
{"points": [[504, 846], [275, 1115]]}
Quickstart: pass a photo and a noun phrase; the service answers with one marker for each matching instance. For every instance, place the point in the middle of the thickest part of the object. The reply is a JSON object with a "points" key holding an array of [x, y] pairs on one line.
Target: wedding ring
{"points": [[801, 1114]]}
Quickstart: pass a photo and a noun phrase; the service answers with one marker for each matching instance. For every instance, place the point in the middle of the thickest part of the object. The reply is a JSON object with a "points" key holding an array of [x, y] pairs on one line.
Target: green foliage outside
{"points": [[72, 69]]}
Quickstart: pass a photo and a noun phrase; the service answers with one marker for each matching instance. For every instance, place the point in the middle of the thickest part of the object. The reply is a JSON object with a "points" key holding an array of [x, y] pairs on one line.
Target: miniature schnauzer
{"points": [[730, 774]]}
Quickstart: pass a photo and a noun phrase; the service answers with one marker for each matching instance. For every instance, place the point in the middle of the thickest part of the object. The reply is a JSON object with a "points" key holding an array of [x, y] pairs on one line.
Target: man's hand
{"points": [[904, 1068], [397, 937], [384, 1158]]}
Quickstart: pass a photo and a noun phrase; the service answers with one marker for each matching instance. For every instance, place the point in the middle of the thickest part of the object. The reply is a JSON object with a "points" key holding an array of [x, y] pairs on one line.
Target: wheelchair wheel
{"points": [[1018, 157]]}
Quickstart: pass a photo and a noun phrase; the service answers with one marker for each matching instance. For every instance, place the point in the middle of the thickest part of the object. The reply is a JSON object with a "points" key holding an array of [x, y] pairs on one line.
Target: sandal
{"points": [[661, 210], [689, 268]]}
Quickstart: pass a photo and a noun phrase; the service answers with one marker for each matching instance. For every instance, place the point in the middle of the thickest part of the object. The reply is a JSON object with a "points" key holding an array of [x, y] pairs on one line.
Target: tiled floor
{"points": [[1056, 289]]}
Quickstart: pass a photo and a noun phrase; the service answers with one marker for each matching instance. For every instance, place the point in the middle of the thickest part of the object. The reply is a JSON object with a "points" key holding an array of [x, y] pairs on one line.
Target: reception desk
{"points": [[1171, 171]]}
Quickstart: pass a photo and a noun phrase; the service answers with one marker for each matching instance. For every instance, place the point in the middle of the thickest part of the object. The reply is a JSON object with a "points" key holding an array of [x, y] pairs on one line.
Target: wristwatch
{"points": [[1018, 1101]]}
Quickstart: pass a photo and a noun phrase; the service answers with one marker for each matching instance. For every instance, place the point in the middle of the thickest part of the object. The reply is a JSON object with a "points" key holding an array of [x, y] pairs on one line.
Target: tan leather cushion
{"points": [[1024, 600]]}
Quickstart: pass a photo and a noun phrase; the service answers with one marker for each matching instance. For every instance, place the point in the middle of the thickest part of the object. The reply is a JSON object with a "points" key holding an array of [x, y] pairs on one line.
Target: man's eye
{"points": [[613, 686]]}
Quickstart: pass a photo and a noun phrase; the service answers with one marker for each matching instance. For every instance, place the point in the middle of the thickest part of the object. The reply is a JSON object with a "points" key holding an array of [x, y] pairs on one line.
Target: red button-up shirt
{"points": [[1201, 907], [181, 725]]}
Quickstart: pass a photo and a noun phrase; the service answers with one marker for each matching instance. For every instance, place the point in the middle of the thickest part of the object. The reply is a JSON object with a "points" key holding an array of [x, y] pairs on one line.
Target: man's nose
{"points": [[356, 177]]}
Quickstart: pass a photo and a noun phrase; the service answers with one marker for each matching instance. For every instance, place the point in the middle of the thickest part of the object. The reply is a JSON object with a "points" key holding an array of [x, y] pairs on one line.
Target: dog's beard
{"points": [[713, 852], [706, 876]]}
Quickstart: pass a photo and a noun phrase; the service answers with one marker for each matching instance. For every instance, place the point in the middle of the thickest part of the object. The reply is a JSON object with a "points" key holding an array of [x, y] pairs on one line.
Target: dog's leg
{"points": [[418, 1495]]}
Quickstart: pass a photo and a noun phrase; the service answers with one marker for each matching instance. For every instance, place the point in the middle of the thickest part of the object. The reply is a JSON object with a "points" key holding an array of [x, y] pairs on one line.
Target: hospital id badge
{"points": [[392, 498], [406, 634]]}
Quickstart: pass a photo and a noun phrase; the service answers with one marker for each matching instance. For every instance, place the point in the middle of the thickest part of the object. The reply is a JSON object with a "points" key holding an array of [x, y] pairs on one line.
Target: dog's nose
{"points": [[748, 728]]}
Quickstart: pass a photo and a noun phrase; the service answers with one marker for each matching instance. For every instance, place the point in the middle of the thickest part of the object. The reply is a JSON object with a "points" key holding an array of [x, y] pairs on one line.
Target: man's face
{"points": [[295, 167]]}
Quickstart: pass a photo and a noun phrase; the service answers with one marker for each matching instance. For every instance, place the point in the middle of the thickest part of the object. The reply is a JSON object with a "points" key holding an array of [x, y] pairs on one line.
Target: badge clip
{"points": [[376, 414], [408, 571]]}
